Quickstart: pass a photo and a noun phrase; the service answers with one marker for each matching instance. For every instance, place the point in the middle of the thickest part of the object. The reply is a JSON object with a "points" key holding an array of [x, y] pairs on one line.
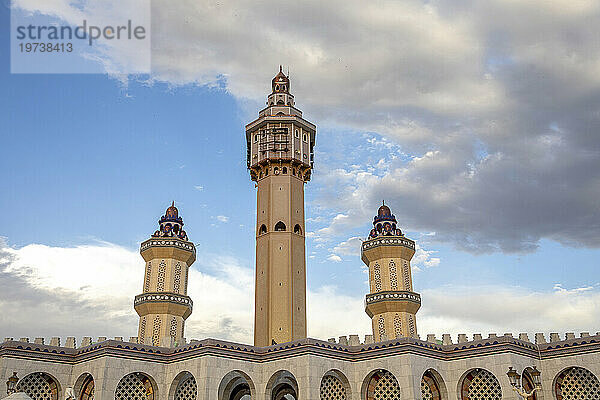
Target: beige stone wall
{"points": [[308, 370]]}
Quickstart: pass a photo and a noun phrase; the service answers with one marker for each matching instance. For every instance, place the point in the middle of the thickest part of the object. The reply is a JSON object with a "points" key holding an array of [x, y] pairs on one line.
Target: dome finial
{"points": [[280, 68], [383, 202], [173, 203]]}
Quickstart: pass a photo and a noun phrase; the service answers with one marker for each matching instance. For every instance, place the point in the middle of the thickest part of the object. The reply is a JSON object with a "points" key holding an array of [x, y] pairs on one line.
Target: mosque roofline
{"points": [[214, 347]]}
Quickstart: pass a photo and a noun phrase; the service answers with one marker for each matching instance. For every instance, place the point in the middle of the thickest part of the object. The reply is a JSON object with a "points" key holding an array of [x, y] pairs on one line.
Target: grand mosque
{"points": [[394, 362]]}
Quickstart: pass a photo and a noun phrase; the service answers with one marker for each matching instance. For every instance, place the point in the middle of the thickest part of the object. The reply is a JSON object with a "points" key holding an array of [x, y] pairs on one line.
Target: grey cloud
{"points": [[505, 96]]}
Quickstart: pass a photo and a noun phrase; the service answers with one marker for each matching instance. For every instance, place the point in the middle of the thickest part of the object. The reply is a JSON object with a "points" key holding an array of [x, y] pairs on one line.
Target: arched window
{"points": [[135, 386], [39, 386], [382, 385], [304, 137], [276, 170], [430, 389], [479, 384], [576, 383], [332, 388], [262, 230], [87, 388], [298, 229], [279, 227], [285, 170]]}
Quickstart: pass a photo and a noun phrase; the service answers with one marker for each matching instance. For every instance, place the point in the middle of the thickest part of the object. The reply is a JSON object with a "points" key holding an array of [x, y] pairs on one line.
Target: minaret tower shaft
{"points": [[280, 159], [391, 303], [164, 305]]}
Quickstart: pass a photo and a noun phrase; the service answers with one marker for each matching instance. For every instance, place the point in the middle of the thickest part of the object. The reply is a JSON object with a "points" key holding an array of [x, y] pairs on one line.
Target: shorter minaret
{"points": [[391, 303], [164, 305]]}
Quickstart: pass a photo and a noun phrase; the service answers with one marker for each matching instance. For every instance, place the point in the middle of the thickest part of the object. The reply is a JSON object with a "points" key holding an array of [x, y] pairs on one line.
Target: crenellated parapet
{"points": [[448, 347], [70, 342]]}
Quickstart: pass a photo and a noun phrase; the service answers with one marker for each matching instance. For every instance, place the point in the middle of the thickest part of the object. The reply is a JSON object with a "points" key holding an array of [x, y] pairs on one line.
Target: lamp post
{"points": [[516, 381], [11, 384]]}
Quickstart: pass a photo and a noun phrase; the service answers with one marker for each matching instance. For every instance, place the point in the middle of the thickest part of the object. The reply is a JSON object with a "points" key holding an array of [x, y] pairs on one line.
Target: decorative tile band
{"points": [[162, 297], [167, 243], [400, 295], [388, 241]]}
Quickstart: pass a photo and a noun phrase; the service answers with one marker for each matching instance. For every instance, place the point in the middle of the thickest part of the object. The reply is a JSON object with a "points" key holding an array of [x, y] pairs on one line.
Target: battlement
{"points": [[461, 338], [447, 342], [71, 342]]}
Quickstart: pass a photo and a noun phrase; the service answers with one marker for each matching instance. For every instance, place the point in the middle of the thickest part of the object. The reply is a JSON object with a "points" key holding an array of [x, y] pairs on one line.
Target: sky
{"points": [[476, 121]]}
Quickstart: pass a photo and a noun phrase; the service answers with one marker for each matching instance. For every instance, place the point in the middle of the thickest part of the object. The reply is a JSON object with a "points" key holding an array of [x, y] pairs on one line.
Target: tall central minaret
{"points": [[280, 159]]}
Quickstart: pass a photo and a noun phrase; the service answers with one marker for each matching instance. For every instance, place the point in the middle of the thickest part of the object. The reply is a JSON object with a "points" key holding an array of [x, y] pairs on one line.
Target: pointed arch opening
{"points": [[297, 229], [236, 385], [280, 227], [262, 230], [432, 386], [84, 387], [282, 386]]}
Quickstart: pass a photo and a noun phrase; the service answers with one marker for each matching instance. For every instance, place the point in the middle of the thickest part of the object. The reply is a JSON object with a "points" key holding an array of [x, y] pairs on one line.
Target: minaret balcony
{"points": [[387, 247], [168, 247], [392, 301], [163, 303]]}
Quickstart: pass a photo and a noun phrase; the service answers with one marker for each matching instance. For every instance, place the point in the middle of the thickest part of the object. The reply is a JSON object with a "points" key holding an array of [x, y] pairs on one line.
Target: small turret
{"points": [[391, 303], [164, 305]]}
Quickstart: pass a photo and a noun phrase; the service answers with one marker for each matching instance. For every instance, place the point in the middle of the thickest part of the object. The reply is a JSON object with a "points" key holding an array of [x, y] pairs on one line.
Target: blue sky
{"points": [[92, 161]]}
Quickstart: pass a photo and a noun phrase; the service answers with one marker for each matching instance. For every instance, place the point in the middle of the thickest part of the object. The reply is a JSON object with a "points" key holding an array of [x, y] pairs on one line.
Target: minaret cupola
{"points": [[280, 94], [281, 83], [171, 224]]}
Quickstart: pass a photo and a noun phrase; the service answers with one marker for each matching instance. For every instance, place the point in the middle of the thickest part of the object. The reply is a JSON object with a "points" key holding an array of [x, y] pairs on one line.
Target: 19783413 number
{"points": [[46, 47]]}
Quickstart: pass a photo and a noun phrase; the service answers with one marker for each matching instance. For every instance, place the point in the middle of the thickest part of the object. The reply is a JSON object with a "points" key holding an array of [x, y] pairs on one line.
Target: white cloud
{"points": [[331, 314], [199, 188], [508, 309], [334, 258], [222, 218], [350, 247], [73, 283], [423, 258]]}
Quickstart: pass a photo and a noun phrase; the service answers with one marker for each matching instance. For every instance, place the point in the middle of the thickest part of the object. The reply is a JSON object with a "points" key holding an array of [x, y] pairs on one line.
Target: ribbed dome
{"points": [[172, 211], [384, 211]]}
